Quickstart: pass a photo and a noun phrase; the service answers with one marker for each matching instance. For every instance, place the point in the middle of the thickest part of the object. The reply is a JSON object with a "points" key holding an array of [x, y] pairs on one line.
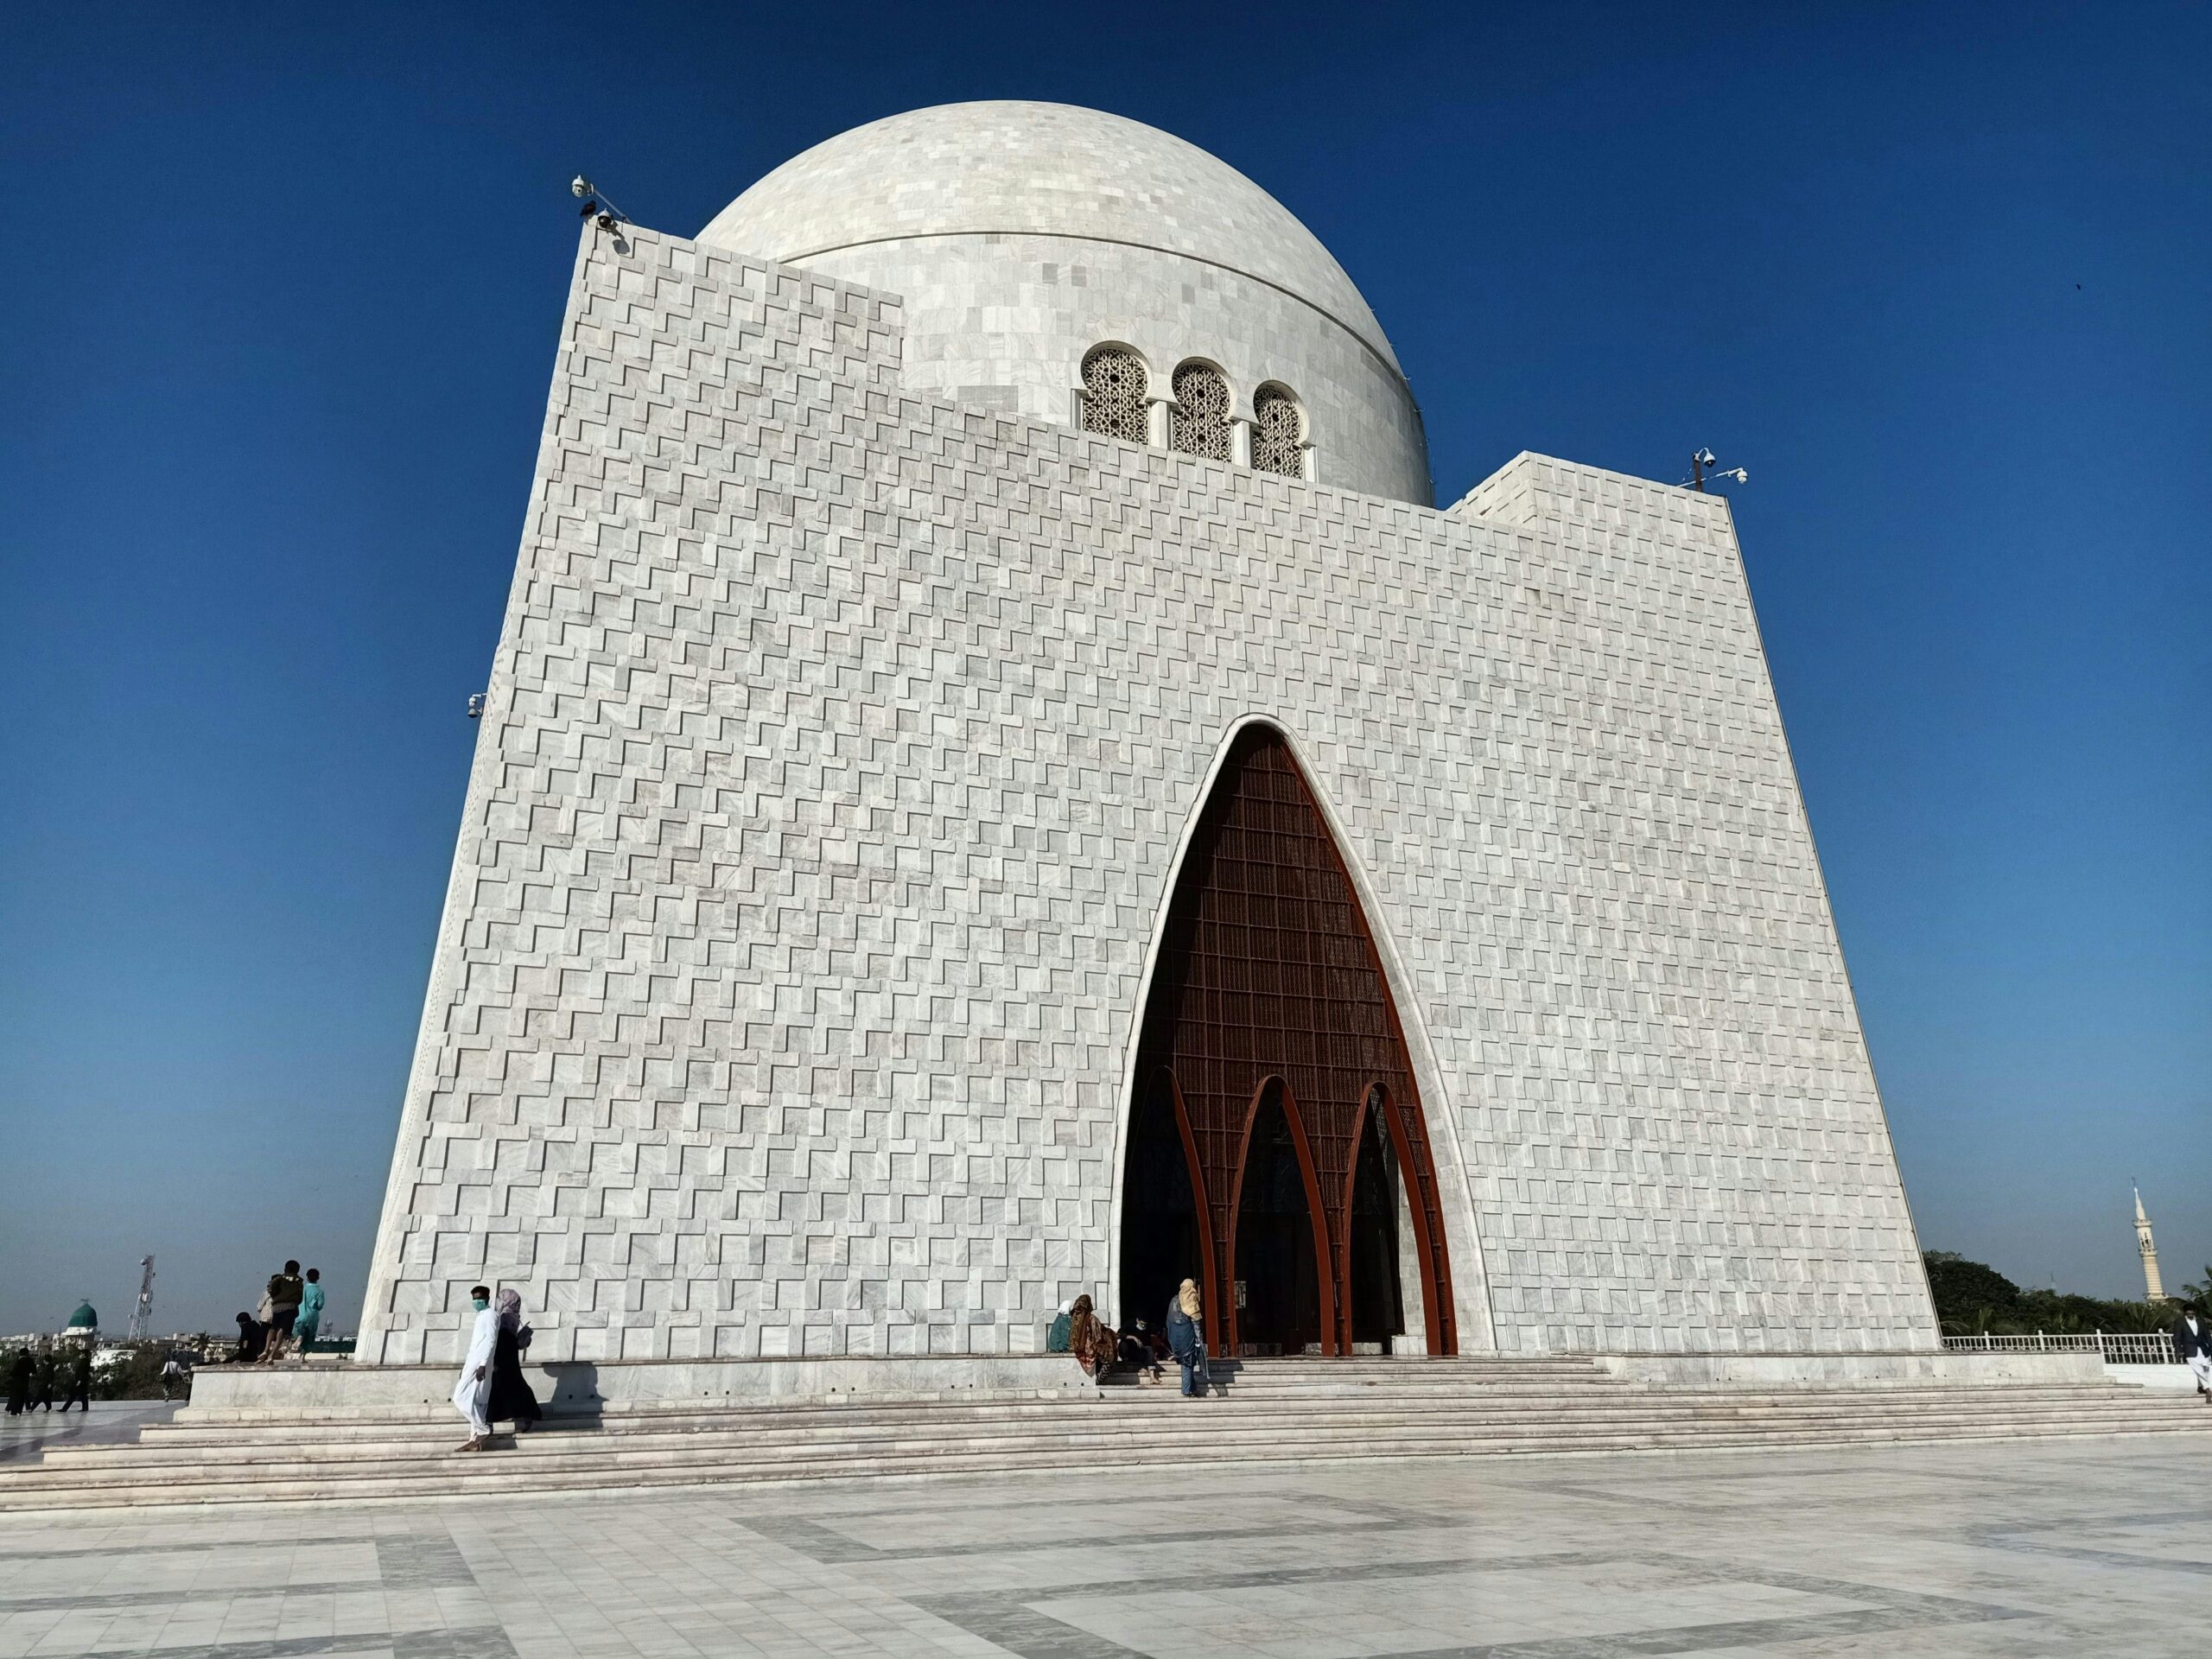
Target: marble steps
{"points": [[1442, 1366], [499, 1472], [531, 1459], [193, 1427], [548, 1448], [1196, 1423], [1427, 1375], [757, 1420], [1336, 1380], [862, 1440], [1493, 1402], [1318, 1375], [188, 1429]]}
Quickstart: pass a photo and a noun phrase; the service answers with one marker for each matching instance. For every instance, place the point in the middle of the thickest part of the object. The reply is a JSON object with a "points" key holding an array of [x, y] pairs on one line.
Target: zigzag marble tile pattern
{"points": [[839, 745]]}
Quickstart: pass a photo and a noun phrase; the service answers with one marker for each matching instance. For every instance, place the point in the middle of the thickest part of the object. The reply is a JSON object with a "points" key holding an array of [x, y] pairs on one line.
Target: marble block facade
{"points": [[839, 745]]}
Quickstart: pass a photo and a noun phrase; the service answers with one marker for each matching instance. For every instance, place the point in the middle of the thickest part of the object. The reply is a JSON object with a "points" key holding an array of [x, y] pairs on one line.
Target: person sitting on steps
{"points": [[1091, 1339], [1140, 1351]]}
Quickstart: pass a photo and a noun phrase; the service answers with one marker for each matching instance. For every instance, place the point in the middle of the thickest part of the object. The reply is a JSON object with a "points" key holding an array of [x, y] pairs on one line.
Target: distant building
{"points": [[83, 1322], [2153, 1291]]}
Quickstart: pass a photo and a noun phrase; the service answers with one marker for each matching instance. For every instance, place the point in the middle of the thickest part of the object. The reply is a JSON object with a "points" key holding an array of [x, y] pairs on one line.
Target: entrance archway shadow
{"points": [[1166, 1220], [1281, 1292]]}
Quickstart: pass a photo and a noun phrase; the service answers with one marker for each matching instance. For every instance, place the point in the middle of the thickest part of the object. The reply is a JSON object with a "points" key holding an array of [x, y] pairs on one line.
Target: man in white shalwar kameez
{"points": [[475, 1388], [2193, 1346]]}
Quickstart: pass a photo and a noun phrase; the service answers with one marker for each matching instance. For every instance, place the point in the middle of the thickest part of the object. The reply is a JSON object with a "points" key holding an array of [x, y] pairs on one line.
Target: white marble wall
{"points": [[838, 741]]}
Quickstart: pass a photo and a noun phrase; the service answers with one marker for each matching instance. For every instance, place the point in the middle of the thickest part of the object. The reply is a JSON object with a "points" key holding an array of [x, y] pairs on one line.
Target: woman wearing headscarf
{"points": [[475, 1388], [511, 1399], [1090, 1340], [1186, 1339]]}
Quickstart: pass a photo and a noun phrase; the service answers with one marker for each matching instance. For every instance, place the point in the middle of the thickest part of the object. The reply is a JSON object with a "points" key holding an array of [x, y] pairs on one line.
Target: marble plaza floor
{"points": [[2021, 1549], [21, 1438]]}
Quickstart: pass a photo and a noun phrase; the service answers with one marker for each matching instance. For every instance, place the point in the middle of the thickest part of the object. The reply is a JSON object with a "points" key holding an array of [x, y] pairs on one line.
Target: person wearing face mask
{"points": [[470, 1393]]}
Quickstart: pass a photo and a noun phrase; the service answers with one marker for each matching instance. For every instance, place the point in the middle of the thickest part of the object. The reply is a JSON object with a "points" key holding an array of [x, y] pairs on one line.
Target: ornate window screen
{"points": [[1199, 423], [1114, 386], [1278, 431]]}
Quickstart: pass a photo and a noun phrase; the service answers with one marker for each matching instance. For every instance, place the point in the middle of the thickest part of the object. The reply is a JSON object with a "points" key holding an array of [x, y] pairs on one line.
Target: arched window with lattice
{"points": [[1200, 423], [1278, 432], [1114, 386]]}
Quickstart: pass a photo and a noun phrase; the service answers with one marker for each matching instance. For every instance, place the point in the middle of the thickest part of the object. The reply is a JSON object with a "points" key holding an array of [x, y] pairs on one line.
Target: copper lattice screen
{"points": [[1267, 969]]}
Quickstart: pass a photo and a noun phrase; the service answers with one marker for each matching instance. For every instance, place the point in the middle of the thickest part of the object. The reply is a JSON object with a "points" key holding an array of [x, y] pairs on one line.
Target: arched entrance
{"points": [[1167, 1232], [1372, 1253], [1280, 1287], [1270, 1057]]}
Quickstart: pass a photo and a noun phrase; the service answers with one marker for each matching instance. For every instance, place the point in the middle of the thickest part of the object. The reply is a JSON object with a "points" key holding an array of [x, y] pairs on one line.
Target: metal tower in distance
{"points": [[143, 1311]]}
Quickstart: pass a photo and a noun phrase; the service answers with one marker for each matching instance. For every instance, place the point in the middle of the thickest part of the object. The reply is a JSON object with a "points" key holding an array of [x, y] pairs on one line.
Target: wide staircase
{"points": [[1264, 1412]]}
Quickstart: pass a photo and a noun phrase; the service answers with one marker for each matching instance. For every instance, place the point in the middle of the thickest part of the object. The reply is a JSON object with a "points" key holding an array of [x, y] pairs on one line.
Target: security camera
{"points": [[475, 705], [1704, 458], [580, 187]]}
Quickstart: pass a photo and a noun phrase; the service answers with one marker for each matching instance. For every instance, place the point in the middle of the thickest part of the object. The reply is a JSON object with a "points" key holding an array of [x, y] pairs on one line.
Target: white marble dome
{"points": [[1019, 236]]}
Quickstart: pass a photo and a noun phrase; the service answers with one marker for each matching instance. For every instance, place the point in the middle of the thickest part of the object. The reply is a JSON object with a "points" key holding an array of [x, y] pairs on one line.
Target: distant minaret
{"points": [[2152, 1290]]}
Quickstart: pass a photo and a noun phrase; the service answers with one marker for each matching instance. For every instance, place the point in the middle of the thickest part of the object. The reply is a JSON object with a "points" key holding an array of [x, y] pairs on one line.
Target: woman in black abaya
{"points": [[510, 1399]]}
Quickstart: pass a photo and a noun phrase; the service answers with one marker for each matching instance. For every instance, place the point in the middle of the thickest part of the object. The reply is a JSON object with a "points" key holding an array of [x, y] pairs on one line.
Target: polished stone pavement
{"points": [[2014, 1548], [22, 1437]]}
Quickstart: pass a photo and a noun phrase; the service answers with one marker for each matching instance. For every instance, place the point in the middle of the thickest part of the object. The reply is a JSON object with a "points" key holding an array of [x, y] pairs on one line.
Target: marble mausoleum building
{"points": [[997, 782]]}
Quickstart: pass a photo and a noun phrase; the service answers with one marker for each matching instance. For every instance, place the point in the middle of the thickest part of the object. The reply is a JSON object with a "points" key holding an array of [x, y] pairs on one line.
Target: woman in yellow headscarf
{"points": [[1186, 1339]]}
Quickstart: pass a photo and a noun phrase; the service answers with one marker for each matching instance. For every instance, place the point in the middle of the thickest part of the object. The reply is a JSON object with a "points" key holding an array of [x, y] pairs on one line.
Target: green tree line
{"points": [[1974, 1300]]}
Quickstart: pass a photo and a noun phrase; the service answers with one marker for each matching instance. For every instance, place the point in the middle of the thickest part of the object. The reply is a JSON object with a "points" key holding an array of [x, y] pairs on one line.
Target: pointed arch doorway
{"points": [[1277, 1151]]}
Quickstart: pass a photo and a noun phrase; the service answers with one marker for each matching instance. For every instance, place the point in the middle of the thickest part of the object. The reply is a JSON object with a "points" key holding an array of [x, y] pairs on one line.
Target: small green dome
{"points": [[83, 1319]]}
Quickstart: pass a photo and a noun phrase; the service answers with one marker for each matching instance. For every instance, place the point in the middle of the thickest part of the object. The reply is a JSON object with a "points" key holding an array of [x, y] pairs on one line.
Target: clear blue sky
{"points": [[284, 297]]}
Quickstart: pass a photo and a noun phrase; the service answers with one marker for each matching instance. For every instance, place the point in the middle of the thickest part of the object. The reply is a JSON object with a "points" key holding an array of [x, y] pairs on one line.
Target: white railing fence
{"points": [[2118, 1348]]}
